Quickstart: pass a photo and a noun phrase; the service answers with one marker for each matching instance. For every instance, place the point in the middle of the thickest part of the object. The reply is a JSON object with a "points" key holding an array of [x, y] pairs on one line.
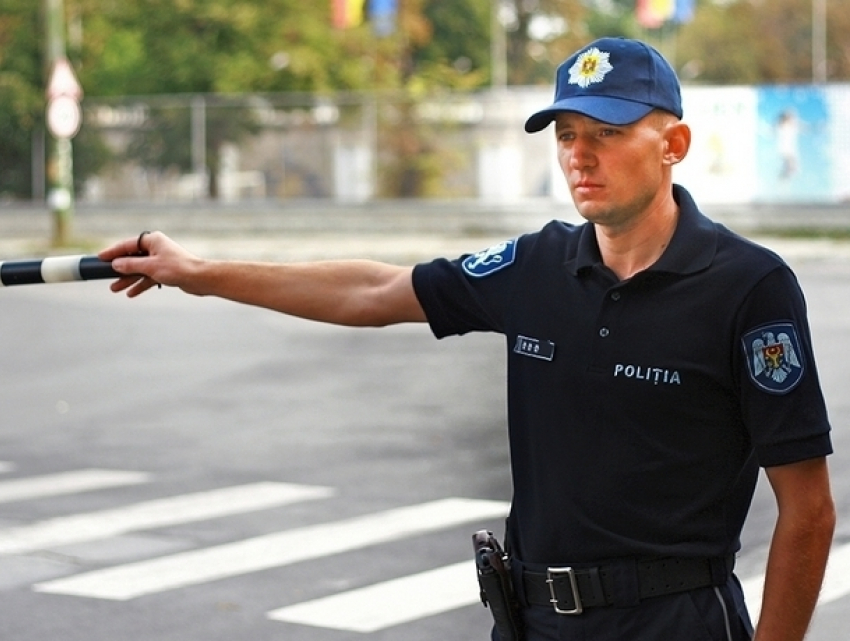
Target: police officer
{"points": [[656, 361]]}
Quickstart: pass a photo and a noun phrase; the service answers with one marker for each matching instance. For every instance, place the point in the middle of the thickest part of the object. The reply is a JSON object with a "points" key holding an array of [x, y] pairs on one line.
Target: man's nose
{"points": [[581, 153]]}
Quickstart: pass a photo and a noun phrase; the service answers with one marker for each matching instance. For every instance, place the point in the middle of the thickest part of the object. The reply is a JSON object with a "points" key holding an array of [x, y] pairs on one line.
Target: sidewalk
{"points": [[399, 232]]}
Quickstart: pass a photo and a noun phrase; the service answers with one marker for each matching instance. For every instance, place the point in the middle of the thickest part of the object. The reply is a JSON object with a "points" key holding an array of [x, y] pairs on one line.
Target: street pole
{"points": [[498, 47], [819, 65], [63, 94]]}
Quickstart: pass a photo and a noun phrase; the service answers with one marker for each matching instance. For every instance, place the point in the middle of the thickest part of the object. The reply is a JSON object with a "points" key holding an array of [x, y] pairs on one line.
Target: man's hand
{"points": [[149, 260]]}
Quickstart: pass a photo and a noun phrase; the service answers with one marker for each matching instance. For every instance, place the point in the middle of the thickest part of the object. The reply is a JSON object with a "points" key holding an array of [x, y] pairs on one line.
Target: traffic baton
{"points": [[54, 269]]}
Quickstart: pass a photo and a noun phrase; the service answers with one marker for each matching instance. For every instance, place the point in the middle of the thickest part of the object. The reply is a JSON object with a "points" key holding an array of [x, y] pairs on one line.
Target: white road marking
{"points": [[383, 605], [836, 582], [67, 483], [271, 550], [147, 515], [391, 603], [752, 595]]}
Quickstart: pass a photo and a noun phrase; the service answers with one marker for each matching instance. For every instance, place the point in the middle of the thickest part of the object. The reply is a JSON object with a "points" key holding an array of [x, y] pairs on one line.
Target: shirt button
{"points": [[604, 332], [615, 296]]}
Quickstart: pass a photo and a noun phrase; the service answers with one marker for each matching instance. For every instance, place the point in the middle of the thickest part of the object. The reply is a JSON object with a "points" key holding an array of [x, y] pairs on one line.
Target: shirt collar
{"points": [[691, 249]]}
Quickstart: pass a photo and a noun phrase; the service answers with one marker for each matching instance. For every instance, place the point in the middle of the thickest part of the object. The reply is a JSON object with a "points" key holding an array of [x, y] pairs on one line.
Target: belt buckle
{"points": [[551, 574]]}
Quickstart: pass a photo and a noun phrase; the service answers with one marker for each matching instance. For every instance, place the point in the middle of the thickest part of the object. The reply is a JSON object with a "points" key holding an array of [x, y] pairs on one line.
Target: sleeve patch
{"points": [[774, 358], [491, 260]]}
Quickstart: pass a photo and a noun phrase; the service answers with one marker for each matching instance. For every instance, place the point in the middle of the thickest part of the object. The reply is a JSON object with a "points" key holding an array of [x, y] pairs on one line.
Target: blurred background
{"points": [[104, 102]]}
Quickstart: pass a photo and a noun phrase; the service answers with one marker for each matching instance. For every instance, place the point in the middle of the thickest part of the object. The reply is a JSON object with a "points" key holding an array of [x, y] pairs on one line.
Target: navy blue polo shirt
{"points": [[639, 411]]}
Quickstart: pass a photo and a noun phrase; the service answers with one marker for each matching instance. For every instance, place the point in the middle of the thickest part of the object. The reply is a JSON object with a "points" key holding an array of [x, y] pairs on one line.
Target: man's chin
{"points": [[591, 212]]}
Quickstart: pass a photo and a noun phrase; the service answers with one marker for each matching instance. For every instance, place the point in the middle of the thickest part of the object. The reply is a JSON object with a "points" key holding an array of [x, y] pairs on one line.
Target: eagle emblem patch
{"points": [[490, 260], [774, 357]]}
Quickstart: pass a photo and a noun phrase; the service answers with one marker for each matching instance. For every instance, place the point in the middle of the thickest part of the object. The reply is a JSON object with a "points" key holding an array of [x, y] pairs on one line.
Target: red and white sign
{"points": [[64, 116], [63, 82]]}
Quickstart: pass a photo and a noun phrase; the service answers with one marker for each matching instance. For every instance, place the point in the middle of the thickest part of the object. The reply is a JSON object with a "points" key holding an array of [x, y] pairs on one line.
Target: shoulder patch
{"points": [[491, 260], [774, 358]]}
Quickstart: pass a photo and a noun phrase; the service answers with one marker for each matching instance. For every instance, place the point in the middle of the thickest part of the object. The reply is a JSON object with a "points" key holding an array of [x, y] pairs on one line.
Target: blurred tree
{"points": [[211, 47], [725, 43], [448, 46], [540, 35], [21, 94], [215, 46], [457, 55], [22, 102]]}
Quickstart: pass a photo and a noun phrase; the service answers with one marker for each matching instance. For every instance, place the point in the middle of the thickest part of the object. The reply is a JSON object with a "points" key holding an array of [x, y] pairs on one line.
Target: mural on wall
{"points": [[793, 149], [720, 165], [838, 103]]}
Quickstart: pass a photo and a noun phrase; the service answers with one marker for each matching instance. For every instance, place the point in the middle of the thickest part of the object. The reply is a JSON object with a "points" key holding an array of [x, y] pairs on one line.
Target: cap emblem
{"points": [[590, 67]]}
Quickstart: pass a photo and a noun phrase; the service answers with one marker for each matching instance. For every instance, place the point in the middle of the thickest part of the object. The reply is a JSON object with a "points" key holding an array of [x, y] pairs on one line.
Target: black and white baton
{"points": [[54, 269]]}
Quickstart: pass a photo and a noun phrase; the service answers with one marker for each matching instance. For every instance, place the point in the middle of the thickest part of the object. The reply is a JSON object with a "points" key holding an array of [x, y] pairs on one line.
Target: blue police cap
{"points": [[614, 80]]}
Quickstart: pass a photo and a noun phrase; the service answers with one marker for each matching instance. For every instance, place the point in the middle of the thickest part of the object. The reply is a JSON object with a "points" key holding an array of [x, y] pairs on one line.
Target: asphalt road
{"points": [[141, 405]]}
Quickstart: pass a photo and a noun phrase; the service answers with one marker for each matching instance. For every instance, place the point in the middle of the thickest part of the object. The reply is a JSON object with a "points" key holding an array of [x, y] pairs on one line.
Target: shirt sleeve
{"points": [[781, 398], [470, 293]]}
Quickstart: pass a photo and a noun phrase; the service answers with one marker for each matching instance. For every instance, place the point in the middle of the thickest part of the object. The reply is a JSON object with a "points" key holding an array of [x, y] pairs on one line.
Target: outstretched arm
{"points": [[798, 551], [349, 292]]}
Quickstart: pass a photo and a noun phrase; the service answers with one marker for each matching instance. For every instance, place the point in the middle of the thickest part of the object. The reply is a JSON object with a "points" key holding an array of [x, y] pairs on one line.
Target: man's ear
{"points": [[677, 142]]}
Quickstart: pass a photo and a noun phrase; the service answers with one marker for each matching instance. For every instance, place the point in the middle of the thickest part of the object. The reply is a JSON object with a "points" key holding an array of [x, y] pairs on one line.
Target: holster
{"points": [[497, 592]]}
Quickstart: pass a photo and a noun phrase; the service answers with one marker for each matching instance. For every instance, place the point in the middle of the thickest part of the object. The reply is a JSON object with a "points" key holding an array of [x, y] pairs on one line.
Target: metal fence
{"points": [[350, 148], [360, 147]]}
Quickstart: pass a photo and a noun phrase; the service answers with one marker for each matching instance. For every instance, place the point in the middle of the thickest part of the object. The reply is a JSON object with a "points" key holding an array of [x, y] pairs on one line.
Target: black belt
{"points": [[571, 590]]}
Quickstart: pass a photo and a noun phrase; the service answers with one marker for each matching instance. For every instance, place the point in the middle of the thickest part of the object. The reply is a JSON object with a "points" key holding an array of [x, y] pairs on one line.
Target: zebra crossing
{"points": [[67, 483], [363, 610], [198, 506]]}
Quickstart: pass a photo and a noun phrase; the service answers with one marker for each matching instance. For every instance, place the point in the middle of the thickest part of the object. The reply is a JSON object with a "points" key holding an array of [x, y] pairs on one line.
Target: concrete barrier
{"points": [[403, 217]]}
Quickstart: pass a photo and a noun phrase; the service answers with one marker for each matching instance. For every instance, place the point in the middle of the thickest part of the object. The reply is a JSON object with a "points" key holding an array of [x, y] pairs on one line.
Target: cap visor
{"points": [[613, 111]]}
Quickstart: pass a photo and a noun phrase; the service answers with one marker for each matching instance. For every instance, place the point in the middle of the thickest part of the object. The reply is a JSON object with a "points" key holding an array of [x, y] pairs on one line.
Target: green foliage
{"points": [[727, 44], [15, 161], [463, 44], [215, 46], [21, 96]]}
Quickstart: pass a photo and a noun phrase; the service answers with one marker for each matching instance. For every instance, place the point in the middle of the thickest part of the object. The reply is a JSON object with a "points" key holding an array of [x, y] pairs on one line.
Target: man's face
{"points": [[616, 173]]}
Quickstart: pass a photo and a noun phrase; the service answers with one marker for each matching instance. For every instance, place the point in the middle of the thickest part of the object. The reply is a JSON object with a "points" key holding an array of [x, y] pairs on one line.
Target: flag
{"points": [[654, 13], [347, 13], [684, 11], [382, 14]]}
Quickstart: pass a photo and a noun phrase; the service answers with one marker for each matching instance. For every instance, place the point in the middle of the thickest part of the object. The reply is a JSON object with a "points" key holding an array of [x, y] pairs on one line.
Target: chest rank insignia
{"points": [[774, 358], [490, 260]]}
